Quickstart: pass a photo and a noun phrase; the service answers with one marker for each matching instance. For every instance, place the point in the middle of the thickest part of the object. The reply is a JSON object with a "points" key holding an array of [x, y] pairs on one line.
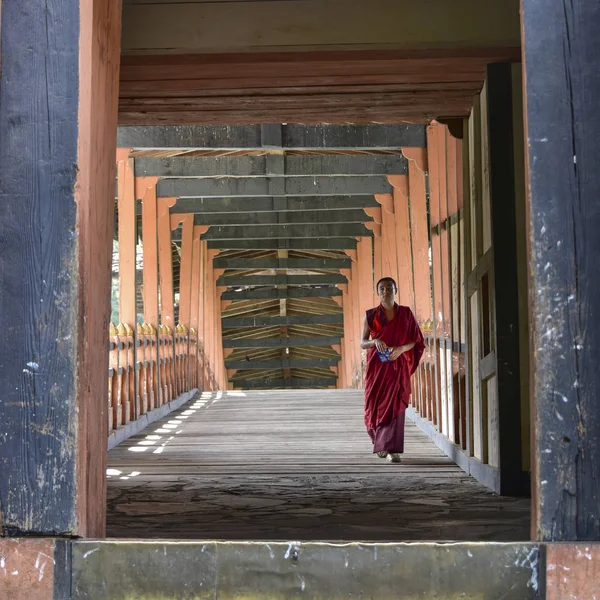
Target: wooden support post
{"points": [[203, 314], [435, 176], [377, 247], [389, 251], [58, 115], [127, 234], [560, 50], [506, 285], [167, 309], [417, 166], [195, 314], [185, 277], [455, 174], [146, 190], [406, 285], [185, 296]]}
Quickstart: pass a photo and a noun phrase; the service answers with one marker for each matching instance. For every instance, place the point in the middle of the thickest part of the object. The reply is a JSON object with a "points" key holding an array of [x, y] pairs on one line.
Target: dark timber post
{"points": [[58, 113], [504, 231], [561, 48]]}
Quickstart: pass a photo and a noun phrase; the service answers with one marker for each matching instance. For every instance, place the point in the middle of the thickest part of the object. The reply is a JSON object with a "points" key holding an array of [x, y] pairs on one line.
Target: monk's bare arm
{"points": [[366, 343]]}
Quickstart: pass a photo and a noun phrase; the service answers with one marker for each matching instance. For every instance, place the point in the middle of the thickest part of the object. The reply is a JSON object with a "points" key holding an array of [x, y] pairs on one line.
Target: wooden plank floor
{"points": [[294, 465]]}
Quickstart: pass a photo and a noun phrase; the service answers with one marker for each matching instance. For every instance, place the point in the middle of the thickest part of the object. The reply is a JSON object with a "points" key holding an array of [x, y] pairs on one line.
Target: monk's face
{"points": [[386, 291]]}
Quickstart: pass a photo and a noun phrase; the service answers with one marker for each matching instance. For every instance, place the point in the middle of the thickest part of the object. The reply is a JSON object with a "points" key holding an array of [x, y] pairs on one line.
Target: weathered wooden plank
{"points": [[244, 166], [332, 319], [262, 294], [263, 186], [58, 101], [272, 280], [295, 137], [285, 232], [313, 68], [304, 217], [299, 363], [176, 477], [282, 263], [283, 342], [271, 204], [285, 243], [563, 132]]}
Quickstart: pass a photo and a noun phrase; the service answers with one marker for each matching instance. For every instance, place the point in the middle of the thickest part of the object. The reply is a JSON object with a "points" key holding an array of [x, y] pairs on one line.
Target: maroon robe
{"points": [[387, 384]]}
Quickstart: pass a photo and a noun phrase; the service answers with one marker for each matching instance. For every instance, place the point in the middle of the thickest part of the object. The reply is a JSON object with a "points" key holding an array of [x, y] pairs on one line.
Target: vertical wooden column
{"points": [[195, 312], [406, 284], [506, 285], [364, 254], [211, 326], [185, 296], [356, 322], [375, 227], [339, 300], [146, 190], [454, 182], [389, 251], [185, 277], [417, 167], [219, 362], [436, 172], [58, 109], [167, 309], [560, 51], [348, 334], [127, 234], [364, 259], [203, 313]]}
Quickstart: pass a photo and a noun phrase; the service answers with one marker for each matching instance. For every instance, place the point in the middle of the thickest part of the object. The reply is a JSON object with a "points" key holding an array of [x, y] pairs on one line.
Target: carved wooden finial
{"points": [[140, 329], [112, 329], [121, 330]]}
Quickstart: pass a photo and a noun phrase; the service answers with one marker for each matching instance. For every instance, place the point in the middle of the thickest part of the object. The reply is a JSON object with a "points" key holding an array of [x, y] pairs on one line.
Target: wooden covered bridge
{"points": [[254, 168]]}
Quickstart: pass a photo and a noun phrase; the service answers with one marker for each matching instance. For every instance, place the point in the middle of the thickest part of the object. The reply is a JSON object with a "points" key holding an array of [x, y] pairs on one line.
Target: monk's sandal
{"points": [[394, 458], [383, 454]]}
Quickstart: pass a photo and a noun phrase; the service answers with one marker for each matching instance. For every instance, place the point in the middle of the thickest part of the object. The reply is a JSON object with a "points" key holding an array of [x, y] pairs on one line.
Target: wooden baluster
{"points": [[141, 363], [193, 357], [113, 388], [131, 373], [147, 367], [122, 375]]}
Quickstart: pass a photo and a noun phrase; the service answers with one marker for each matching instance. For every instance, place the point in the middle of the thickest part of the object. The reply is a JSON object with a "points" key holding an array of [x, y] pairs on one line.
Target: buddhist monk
{"points": [[395, 345]]}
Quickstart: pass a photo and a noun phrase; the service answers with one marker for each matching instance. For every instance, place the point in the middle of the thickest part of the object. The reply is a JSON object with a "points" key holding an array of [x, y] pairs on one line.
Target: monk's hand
{"points": [[397, 352], [380, 345]]}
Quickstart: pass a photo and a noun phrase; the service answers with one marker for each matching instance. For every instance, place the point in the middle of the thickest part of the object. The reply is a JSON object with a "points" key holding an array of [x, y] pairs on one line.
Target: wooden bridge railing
{"points": [[149, 368]]}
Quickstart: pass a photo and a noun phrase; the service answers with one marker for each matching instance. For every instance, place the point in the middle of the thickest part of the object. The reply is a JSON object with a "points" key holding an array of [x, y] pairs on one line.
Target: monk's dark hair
{"points": [[388, 279]]}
